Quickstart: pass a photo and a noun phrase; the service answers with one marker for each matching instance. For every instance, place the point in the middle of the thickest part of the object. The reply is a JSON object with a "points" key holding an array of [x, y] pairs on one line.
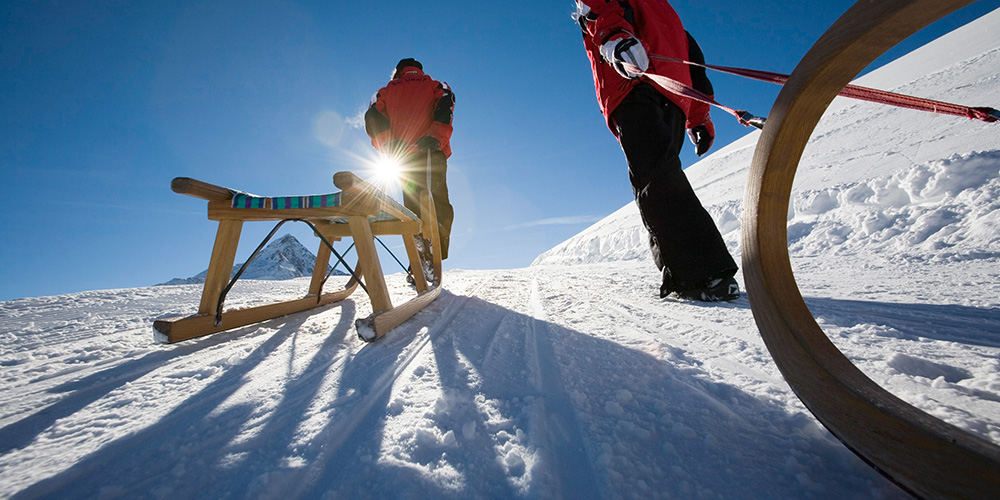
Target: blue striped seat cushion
{"points": [[247, 200]]}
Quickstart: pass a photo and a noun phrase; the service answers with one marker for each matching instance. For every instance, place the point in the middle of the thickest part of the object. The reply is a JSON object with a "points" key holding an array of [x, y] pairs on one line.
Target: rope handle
{"points": [[746, 118], [986, 114]]}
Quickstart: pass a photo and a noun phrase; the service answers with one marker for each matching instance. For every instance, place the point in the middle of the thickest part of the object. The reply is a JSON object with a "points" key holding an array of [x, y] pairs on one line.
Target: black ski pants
{"points": [[682, 235], [414, 178]]}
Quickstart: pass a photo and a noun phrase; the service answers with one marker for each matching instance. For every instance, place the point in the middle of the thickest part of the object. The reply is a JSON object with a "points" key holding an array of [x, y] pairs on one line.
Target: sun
{"points": [[387, 169]]}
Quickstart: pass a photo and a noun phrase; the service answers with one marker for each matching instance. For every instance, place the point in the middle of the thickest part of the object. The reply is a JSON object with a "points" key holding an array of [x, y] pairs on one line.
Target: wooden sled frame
{"points": [[924, 455], [362, 213]]}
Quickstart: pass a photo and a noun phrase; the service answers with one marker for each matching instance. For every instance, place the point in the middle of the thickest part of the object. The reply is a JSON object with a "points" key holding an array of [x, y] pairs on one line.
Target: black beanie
{"points": [[406, 63]]}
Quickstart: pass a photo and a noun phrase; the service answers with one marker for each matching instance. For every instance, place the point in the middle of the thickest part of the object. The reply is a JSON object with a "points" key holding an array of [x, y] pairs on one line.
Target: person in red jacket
{"points": [[649, 123], [409, 119]]}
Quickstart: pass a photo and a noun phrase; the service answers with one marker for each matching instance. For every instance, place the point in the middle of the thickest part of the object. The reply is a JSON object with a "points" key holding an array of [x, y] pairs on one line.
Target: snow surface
{"points": [[567, 379]]}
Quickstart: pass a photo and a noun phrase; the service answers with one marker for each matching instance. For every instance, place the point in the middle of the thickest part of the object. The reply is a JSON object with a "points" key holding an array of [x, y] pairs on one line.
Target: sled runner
{"points": [[358, 210], [924, 455]]}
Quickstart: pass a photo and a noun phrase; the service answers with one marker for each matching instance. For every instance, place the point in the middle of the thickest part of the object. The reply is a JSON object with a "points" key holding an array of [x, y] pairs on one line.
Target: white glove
{"points": [[627, 56]]}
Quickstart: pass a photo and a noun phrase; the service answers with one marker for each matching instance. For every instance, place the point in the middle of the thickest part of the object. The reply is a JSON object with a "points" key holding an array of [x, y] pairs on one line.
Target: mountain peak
{"points": [[282, 259]]}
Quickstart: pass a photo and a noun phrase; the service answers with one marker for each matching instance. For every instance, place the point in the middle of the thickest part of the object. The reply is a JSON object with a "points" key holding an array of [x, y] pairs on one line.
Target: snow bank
{"points": [[945, 210]]}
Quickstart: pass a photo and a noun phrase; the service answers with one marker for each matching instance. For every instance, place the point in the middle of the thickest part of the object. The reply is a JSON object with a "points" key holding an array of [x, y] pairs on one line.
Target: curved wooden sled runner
{"points": [[922, 454], [359, 211]]}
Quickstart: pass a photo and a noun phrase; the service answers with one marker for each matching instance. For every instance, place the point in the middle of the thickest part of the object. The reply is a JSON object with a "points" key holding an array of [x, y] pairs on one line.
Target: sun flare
{"points": [[387, 169]]}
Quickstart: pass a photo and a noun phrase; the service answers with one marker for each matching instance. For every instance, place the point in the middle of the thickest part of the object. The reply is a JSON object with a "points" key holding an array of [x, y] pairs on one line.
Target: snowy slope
{"points": [[553, 381]]}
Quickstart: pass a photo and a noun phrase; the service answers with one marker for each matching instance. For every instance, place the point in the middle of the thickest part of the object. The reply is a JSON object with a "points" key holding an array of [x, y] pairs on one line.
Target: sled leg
{"points": [[415, 267], [364, 244], [319, 270], [220, 267], [430, 229]]}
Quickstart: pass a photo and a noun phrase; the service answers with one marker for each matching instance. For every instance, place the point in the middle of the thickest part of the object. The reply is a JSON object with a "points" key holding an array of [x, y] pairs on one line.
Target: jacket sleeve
{"points": [[616, 21], [699, 112], [444, 110], [376, 122]]}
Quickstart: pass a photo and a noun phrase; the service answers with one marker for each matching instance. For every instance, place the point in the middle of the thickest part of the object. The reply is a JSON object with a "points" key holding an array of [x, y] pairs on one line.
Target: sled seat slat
{"points": [[232, 204]]}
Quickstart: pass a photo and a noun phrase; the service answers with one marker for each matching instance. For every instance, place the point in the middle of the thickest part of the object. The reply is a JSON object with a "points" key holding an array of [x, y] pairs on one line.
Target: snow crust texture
{"points": [[566, 379]]}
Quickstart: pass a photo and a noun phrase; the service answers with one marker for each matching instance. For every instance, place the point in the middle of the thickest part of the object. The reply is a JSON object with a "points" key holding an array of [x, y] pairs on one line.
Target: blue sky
{"points": [[102, 103]]}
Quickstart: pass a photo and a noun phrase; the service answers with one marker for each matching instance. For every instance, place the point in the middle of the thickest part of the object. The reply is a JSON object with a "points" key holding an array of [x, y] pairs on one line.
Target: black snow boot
{"points": [[714, 290], [667, 286], [426, 260]]}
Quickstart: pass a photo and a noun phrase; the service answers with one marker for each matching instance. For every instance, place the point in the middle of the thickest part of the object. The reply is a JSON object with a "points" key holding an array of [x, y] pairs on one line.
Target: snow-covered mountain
{"points": [[556, 380], [282, 259]]}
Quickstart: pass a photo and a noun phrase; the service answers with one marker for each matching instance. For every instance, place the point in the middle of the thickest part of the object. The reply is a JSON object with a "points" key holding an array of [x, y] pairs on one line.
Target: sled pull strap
{"points": [[985, 114], [745, 118]]}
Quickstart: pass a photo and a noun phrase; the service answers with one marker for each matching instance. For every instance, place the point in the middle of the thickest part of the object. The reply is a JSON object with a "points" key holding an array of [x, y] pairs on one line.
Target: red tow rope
{"points": [[678, 88], [985, 114]]}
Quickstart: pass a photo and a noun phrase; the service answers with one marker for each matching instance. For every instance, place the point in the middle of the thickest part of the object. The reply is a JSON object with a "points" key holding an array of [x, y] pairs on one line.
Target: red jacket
{"points": [[657, 26], [409, 107]]}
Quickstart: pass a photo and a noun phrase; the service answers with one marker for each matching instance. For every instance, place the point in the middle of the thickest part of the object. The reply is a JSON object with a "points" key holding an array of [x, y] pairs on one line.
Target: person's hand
{"points": [[627, 56], [428, 143], [392, 148], [702, 136]]}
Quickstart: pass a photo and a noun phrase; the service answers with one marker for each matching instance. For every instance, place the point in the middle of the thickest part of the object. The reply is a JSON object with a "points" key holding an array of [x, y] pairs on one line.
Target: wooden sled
{"points": [[924, 455], [359, 211]]}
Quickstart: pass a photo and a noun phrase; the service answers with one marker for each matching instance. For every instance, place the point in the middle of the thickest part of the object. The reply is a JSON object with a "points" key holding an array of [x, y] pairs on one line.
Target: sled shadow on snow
{"points": [[82, 392], [945, 322], [469, 399]]}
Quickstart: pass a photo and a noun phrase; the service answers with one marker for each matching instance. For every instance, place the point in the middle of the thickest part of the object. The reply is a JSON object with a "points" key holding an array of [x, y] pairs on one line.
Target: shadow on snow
{"points": [[594, 418], [945, 322]]}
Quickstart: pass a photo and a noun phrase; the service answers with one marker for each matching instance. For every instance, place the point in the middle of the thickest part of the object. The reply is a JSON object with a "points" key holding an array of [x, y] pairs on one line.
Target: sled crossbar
{"points": [[358, 210]]}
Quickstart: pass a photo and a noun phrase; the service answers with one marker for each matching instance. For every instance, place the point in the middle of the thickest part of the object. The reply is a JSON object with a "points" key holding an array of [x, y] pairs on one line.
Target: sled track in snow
{"points": [[922, 454], [559, 418]]}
